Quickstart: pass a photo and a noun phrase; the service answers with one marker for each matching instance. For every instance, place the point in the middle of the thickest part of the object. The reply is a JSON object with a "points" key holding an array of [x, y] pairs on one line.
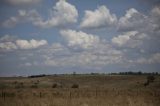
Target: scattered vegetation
{"points": [[19, 85], [54, 85], [57, 85], [89, 90], [150, 79], [75, 86], [35, 85]]}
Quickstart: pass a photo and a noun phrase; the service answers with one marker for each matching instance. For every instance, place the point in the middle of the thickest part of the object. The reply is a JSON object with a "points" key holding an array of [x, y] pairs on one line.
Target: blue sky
{"points": [[62, 36]]}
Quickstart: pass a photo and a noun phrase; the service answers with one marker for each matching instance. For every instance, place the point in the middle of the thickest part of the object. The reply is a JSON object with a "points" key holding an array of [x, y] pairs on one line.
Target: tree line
{"points": [[135, 73]]}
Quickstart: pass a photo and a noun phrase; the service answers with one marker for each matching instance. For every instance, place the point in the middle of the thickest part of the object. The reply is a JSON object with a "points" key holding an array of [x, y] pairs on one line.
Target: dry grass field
{"points": [[80, 90]]}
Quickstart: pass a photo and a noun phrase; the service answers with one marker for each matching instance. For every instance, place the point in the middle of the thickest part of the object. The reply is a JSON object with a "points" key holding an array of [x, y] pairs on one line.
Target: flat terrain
{"points": [[80, 90]]}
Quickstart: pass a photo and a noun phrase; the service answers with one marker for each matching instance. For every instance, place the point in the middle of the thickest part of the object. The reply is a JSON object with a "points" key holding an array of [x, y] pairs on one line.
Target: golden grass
{"points": [[92, 91]]}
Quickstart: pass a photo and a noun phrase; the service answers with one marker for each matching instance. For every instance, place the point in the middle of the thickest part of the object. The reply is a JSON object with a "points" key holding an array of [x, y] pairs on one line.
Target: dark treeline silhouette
{"points": [[119, 73], [135, 73], [35, 76]]}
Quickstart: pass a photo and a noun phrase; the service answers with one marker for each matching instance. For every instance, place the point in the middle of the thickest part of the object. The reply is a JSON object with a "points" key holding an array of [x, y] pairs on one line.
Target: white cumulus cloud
{"points": [[155, 18], [7, 43], [101, 17], [99, 56], [132, 20], [79, 39], [62, 14], [8, 46], [24, 44], [121, 40], [22, 17], [154, 58]]}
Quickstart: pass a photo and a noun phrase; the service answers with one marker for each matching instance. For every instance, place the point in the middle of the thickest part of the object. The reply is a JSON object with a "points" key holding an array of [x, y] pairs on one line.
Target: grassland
{"points": [[92, 90]]}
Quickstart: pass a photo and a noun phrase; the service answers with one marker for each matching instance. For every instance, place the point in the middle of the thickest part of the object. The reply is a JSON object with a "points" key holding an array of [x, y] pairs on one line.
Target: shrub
{"points": [[54, 85], [57, 85], [146, 83], [75, 86], [150, 78]]}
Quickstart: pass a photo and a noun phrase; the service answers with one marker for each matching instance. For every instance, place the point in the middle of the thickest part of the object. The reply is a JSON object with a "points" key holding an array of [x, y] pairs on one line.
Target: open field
{"points": [[80, 90]]}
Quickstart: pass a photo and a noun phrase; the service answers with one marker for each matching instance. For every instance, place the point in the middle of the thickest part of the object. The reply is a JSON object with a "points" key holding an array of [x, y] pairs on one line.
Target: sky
{"points": [[82, 36]]}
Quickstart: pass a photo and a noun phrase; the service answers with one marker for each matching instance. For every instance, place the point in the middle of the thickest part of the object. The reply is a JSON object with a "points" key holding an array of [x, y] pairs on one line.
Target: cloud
{"points": [[62, 14], [153, 59], [79, 39], [8, 44], [27, 64], [132, 20], [131, 39], [21, 2], [91, 51], [121, 40], [95, 53], [138, 31], [97, 57], [12, 21], [136, 41], [139, 36], [24, 44], [155, 11], [7, 38], [99, 18], [22, 17], [155, 18]]}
